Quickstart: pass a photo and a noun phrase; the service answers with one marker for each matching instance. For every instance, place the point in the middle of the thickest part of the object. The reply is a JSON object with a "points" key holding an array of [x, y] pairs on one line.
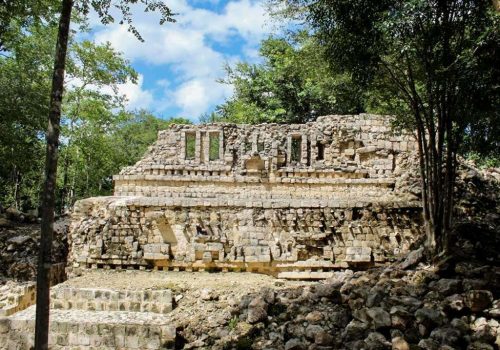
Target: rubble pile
{"points": [[19, 236], [385, 308]]}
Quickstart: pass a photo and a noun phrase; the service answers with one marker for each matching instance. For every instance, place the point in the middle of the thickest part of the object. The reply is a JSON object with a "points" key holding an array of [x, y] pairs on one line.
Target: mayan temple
{"points": [[294, 201], [316, 205]]}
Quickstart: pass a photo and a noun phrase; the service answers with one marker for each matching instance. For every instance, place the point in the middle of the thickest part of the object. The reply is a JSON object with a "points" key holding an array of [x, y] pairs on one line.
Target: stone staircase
{"points": [[93, 318]]}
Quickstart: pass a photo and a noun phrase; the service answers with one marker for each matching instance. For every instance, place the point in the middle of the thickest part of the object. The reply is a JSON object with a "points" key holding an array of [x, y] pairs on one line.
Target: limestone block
{"points": [[207, 257], [358, 254]]}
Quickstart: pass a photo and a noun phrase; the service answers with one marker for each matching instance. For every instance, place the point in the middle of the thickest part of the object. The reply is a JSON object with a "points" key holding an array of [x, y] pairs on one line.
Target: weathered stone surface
{"points": [[478, 300], [399, 343], [302, 200], [294, 344], [257, 310], [72, 329]]}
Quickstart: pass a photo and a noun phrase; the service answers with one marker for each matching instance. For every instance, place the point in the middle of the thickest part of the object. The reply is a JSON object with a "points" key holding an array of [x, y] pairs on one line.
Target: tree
{"points": [[96, 71], [134, 135], [48, 199], [102, 143], [439, 59], [24, 14], [25, 70], [292, 84], [92, 113]]}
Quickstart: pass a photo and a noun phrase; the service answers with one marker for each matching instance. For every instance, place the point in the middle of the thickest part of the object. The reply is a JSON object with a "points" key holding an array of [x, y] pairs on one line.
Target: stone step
{"points": [[82, 329], [305, 275], [16, 298], [98, 299]]}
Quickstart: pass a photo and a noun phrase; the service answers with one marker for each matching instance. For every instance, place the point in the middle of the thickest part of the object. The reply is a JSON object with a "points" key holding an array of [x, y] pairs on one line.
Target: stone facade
{"points": [[296, 200]]}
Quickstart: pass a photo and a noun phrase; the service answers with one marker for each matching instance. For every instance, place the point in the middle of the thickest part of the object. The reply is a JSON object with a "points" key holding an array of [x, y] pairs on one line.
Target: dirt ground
{"points": [[178, 281]]}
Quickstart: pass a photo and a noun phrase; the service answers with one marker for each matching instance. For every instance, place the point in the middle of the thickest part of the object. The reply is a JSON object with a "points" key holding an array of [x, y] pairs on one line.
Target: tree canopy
{"points": [[98, 135], [293, 83], [434, 64]]}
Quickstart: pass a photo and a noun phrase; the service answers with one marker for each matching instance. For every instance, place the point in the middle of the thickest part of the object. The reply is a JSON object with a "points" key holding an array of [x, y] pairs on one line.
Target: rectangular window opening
{"points": [[190, 145], [248, 145], [296, 151], [260, 144], [213, 147], [308, 159], [321, 151]]}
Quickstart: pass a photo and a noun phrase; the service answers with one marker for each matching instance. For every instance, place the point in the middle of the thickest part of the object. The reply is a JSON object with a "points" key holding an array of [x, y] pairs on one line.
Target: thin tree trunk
{"points": [[16, 187], [73, 182], [48, 199]]}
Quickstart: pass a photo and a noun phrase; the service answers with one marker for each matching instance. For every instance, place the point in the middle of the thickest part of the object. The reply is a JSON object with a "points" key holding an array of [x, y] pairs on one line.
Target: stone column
{"points": [[197, 147], [303, 149], [205, 149]]}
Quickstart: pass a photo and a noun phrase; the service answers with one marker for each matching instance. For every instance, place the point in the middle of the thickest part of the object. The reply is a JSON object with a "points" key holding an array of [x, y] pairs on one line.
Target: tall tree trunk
{"points": [[48, 199]]}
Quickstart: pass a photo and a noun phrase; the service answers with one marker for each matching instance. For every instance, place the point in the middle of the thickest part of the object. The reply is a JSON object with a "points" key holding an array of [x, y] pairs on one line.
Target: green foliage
{"points": [[98, 137], [233, 322], [435, 64], [88, 118], [137, 133], [16, 14], [106, 8], [190, 145], [484, 161], [293, 84], [213, 146], [101, 147], [25, 76], [416, 54]]}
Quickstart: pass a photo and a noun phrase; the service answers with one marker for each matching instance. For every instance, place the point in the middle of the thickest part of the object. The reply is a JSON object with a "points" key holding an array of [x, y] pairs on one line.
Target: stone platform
{"points": [[97, 318], [137, 309], [83, 329]]}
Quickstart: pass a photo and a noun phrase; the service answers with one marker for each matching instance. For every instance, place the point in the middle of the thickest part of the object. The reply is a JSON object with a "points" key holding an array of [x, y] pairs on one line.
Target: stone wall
{"points": [[77, 329], [270, 198], [97, 318], [332, 148]]}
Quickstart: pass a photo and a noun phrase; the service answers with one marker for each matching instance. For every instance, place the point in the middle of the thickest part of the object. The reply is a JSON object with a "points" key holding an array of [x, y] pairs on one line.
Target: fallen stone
{"points": [[314, 317], [312, 330], [454, 303], [413, 258], [479, 346], [19, 240], [428, 344], [429, 317], [6, 223], [294, 344], [446, 286], [377, 341], [478, 300], [379, 317], [208, 294], [323, 338], [355, 330], [446, 335], [399, 343], [257, 310]]}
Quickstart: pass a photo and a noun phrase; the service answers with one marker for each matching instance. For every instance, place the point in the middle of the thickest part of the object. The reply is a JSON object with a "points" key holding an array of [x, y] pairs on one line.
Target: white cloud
{"points": [[197, 95], [137, 98], [186, 49]]}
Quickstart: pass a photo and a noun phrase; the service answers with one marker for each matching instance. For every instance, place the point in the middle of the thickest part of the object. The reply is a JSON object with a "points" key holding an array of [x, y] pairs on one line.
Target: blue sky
{"points": [[178, 63]]}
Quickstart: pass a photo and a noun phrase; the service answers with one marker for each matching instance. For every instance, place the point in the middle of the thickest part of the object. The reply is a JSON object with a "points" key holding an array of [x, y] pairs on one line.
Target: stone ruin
{"points": [[293, 201]]}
